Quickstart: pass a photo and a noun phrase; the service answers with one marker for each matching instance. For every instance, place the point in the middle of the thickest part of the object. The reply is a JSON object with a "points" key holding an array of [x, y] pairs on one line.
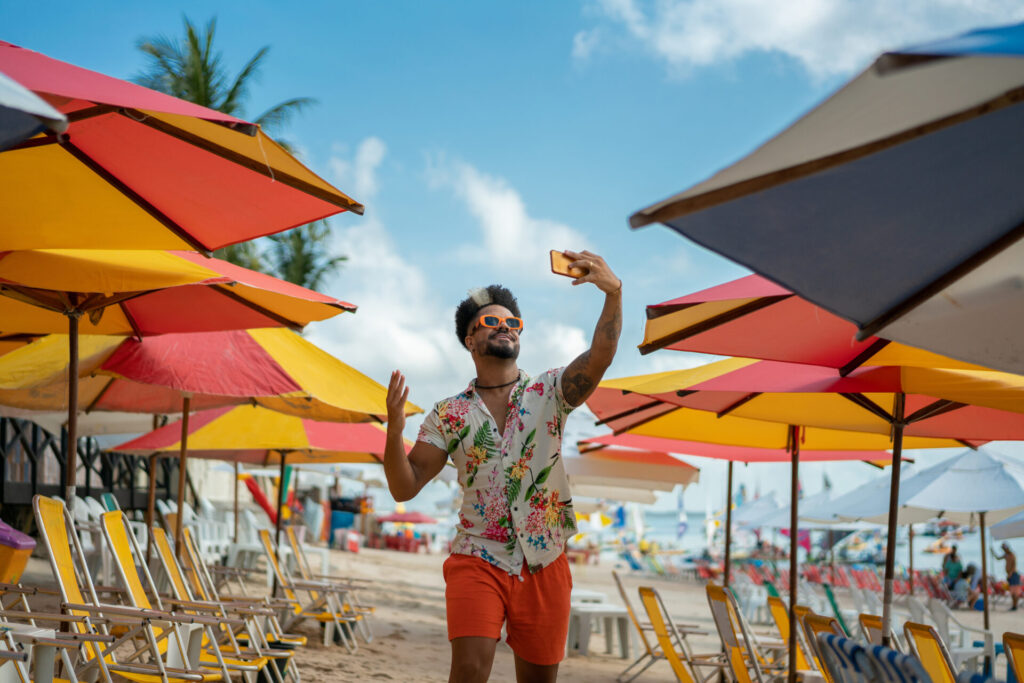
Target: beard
{"points": [[500, 348]]}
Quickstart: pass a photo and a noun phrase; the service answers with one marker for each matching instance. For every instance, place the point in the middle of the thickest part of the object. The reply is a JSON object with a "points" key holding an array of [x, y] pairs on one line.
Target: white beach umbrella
{"points": [[780, 518], [979, 486], [1011, 527]]}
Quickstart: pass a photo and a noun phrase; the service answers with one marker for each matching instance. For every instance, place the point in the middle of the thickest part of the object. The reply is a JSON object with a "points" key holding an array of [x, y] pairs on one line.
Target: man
{"points": [[1012, 575], [504, 436]]}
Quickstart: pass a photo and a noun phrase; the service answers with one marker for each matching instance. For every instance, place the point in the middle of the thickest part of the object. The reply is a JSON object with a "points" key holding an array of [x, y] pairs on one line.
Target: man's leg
{"points": [[528, 672], [472, 658]]}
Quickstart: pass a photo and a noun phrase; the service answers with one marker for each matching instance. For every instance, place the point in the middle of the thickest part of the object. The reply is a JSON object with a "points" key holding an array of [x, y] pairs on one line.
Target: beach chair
{"points": [[126, 551], [742, 654], [203, 587], [840, 614], [845, 660], [954, 634], [780, 614], [925, 643], [346, 586], [148, 663], [673, 646], [815, 625], [894, 667], [647, 657], [871, 629], [224, 636], [324, 604], [1013, 646]]}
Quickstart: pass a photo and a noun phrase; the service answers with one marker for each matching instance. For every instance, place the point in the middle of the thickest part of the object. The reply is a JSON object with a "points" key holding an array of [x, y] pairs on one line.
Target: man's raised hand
{"points": [[398, 394], [598, 271]]}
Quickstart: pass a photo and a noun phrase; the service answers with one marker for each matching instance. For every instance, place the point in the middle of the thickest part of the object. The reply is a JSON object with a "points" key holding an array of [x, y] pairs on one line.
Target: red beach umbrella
{"points": [[138, 169]]}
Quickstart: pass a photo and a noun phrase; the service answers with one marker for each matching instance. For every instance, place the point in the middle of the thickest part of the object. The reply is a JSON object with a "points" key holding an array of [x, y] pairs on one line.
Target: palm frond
{"points": [[239, 88], [278, 115]]}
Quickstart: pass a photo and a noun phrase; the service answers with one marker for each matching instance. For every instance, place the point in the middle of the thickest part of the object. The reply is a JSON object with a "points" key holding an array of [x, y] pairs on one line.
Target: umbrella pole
{"points": [[794, 446], [186, 403], [910, 549], [71, 457], [282, 491], [236, 502], [984, 578], [150, 504], [728, 528], [894, 506]]}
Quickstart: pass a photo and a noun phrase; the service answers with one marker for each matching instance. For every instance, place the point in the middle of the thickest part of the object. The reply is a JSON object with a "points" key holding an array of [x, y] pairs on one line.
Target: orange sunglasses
{"points": [[511, 322]]}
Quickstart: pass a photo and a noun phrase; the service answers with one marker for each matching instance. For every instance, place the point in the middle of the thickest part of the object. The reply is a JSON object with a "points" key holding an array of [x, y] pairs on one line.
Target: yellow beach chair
{"points": [[346, 587], [323, 605], [871, 628], [927, 646], [148, 663], [125, 551], [780, 614], [814, 625], [672, 644], [1013, 645], [245, 642]]}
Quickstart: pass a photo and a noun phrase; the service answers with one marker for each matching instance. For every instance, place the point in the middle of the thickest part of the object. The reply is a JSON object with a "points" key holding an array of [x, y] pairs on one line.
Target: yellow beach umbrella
{"points": [[141, 293], [256, 435], [274, 368]]}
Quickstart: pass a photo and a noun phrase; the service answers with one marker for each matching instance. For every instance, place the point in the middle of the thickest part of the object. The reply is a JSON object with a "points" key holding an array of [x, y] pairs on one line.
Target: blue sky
{"points": [[480, 135]]}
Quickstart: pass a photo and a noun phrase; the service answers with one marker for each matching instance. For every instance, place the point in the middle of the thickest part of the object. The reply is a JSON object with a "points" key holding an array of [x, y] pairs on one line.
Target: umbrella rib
{"points": [[644, 421], [863, 356], [746, 399], [868, 405], [711, 323], [134, 196], [940, 283], [632, 411], [43, 298], [686, 205], [935, 409], [48, 139], [281, 320], [131, 320], [99, 396], [242, 160]]}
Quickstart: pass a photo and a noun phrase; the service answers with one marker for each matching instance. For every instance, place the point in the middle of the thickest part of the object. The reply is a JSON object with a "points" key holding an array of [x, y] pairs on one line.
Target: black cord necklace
{"points": [[499, 386]]}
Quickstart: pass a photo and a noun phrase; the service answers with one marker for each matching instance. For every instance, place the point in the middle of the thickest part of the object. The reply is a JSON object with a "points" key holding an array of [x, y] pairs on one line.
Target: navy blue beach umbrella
{"points": [[897, 203]]}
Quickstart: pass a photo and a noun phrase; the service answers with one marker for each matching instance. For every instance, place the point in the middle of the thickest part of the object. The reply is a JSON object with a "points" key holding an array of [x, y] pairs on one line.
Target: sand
{"points": [[409, 641]]}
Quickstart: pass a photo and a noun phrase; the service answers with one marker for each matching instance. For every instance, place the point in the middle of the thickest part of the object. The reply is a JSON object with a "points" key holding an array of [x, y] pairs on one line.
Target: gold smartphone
{"points": [[560, 265]]}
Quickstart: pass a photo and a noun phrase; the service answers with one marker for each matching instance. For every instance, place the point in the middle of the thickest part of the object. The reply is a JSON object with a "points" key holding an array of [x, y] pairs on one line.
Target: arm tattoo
{"points": [[577, 384], [612, 328]]}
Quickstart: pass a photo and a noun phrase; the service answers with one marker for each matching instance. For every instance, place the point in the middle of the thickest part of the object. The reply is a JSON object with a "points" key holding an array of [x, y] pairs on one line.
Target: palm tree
{"points": [[302, 255], [192, 69]]}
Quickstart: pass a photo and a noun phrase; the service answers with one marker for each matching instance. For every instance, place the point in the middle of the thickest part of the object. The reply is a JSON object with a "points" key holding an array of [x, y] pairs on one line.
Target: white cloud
{"points": [[402, 322], [360, 173], [584, 43], [510, 236], [827, 37]]}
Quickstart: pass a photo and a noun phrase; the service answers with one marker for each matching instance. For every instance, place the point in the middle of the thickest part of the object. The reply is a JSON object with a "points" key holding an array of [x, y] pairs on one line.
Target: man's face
{"points": [[498, 342]]}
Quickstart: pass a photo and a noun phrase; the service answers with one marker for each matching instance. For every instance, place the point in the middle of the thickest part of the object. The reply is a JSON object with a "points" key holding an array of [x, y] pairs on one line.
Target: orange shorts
{"points": [[480, 597]]}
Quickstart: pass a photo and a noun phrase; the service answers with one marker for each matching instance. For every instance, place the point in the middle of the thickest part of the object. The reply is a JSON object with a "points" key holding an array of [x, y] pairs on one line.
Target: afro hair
{"points": [[492, 295]]}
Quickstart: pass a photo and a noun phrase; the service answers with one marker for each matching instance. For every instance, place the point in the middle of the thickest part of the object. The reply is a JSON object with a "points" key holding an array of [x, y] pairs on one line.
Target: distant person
{"points": [[963, 588], [952, 567], [1012, 575], [503, 432]]}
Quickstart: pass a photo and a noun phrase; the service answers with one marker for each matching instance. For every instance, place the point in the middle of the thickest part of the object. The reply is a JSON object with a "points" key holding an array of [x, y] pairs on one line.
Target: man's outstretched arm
{"points": [[583, 375], [406, 474]]}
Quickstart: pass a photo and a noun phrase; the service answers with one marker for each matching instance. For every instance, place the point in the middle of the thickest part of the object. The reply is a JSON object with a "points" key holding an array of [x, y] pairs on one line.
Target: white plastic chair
{"points": [[956, 639]]}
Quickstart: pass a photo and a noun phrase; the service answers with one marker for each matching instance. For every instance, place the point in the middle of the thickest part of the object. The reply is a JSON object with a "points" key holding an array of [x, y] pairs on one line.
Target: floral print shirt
{"points": [[516, 503]]}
